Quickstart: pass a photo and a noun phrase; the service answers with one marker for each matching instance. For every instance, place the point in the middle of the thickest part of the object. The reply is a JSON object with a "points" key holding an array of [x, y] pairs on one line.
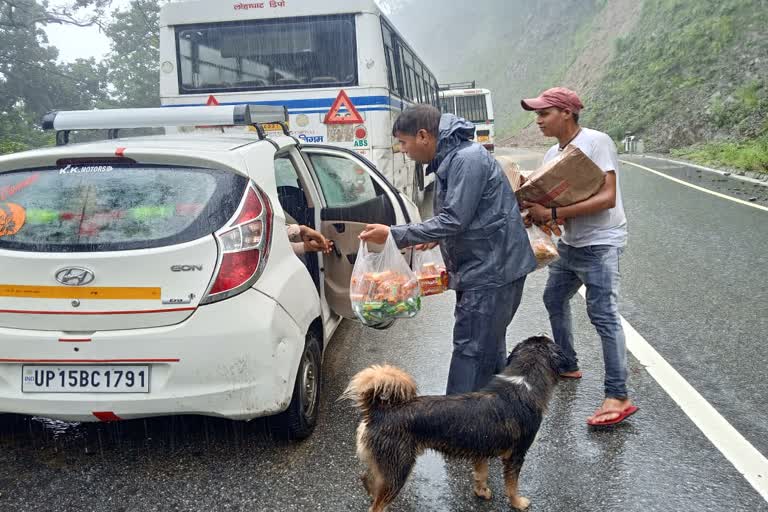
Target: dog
{"points": [[501, 420]]}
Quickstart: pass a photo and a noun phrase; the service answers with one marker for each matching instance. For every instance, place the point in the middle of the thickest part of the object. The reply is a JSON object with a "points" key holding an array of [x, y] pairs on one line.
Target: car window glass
{"points": [[344, 182]]}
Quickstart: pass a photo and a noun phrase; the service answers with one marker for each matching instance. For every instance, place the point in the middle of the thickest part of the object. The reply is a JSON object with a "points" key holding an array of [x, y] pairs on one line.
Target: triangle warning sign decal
{"points": [[212, 101], [351, 116]]}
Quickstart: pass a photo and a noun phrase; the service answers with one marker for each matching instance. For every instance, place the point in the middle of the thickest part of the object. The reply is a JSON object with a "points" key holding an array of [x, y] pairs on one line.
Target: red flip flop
{"points": [[577, 376], [622, 415]]}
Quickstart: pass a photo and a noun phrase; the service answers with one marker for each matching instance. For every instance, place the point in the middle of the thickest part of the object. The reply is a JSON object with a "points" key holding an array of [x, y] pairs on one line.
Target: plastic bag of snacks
{"points": [[543, 247], [430, 270], [383, 287]]}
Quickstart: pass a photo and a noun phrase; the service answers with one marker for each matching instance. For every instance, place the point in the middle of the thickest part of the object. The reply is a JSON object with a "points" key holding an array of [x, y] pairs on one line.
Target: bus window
{"points": [[472, 108], [389, 56], [419, 92], [428, 97], [447, 105], [265, 54]]}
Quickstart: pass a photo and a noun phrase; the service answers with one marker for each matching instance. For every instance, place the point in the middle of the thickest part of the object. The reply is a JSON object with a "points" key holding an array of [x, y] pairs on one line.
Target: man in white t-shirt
{"points": [[594, 238]]}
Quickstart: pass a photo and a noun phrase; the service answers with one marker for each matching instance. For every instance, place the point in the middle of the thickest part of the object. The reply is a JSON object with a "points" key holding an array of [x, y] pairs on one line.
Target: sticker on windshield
{"points": [[86, 169], [12, 217], [42, 216], [8, 191]]}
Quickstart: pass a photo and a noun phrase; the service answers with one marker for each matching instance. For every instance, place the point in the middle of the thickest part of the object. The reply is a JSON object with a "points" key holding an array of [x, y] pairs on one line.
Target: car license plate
{"points": [[482, 138], [85, 379]]}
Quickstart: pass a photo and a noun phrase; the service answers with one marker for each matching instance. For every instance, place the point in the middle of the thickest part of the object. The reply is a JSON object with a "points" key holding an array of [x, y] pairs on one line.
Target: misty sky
{"points": [[77, 42]]}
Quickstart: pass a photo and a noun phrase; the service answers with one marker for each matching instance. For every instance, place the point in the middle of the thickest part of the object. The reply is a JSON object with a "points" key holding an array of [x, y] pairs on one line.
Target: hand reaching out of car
{"points": [[314, 241]]}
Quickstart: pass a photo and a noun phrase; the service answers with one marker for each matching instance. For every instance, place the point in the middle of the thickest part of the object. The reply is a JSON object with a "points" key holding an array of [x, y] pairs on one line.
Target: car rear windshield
{"points": [[100, 207]]}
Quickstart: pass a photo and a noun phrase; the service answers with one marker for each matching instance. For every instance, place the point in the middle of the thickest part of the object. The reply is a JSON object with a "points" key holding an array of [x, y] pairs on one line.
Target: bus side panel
{"points": [[169, 78]]}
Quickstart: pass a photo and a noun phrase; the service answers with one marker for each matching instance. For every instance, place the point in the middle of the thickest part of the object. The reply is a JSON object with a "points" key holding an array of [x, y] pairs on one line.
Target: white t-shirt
{"points": [[607, 227]]}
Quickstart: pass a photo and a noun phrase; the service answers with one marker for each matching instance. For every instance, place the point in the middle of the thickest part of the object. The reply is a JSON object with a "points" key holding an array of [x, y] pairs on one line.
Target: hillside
{"points": [[686, 74]]}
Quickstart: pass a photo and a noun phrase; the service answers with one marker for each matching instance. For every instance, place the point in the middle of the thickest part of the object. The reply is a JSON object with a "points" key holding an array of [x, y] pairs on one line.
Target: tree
{"points": [[134, 67], [31, 82], [30, 13]]}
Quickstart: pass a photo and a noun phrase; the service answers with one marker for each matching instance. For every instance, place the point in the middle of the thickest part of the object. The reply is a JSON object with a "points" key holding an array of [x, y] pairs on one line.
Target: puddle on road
{"points": [[429, 480]]}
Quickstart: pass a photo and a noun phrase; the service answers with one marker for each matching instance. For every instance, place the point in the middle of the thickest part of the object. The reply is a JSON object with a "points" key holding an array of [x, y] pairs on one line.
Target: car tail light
{"points": [[244, 246]]}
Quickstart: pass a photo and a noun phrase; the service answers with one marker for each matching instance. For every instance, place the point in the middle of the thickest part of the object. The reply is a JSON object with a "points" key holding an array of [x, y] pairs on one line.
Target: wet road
{"points": [[693, 286]]}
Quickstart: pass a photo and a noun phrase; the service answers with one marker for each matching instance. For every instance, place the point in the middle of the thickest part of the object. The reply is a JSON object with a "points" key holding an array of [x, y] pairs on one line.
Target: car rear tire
{"points": [[299, 420]]}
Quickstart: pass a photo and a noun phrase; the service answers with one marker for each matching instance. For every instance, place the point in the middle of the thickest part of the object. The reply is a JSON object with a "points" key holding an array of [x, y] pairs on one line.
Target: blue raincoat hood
{"points": [[476, 217], [450, 134]]}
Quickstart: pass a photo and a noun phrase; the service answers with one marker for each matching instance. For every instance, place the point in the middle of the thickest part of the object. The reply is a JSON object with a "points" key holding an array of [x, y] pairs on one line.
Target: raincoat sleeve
{"points": [[463, 191]]}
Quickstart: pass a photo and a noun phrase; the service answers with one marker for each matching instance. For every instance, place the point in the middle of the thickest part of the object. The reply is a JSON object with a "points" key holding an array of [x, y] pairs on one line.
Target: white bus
{"points": [[339, 66], [474, 105]]}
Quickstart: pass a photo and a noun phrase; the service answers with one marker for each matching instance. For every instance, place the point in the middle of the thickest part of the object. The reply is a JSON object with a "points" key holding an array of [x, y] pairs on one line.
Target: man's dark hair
{"points": [[418, 117]]}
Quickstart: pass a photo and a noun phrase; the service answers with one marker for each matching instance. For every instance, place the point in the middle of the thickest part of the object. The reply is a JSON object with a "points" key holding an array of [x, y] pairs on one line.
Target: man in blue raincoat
{"points": [[481, 235]]}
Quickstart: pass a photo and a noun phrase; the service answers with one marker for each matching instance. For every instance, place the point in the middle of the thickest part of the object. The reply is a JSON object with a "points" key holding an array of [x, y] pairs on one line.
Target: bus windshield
{"points": [[267, 54], [471, 108]]}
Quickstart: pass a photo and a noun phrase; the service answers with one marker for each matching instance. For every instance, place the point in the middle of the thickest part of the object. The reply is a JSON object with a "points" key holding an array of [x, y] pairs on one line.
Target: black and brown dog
{"points": [[501, 420]]}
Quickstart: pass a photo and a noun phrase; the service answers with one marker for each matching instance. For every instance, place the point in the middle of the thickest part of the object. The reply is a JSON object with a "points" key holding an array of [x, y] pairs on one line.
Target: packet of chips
{"points": [[430, 270], [543, 247], [383, 287]]}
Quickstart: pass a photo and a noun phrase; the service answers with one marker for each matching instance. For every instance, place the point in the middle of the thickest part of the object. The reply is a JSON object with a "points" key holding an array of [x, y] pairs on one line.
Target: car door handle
{"points": [[352, 258], [335, 249], [340, 228]]}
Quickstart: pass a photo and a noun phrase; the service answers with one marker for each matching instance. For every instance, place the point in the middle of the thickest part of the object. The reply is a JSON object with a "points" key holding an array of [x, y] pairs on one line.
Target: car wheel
{"points": [[299, 420]]}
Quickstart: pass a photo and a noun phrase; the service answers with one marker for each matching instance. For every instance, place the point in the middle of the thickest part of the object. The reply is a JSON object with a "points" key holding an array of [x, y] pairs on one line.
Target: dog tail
{"points": [[380, 385]]}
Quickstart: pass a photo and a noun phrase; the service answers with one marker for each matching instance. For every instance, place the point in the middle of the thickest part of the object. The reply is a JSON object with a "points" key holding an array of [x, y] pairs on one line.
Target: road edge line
{"points": [[702, 189], [747, 460], [728, 174]]}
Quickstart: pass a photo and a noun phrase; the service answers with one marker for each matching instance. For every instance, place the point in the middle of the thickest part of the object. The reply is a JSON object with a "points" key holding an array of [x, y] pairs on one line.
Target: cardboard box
{"points": [[570, 178], [515, 175]]}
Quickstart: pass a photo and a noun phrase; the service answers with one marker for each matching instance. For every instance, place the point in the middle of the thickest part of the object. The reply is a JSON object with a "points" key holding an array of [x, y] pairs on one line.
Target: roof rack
{"points": [[457, 85], [113, 120]]}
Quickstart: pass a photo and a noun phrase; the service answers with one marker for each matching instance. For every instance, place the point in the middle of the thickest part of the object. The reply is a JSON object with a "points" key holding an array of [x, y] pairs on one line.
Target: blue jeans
{"points": [[480, 335], [597, 268]]}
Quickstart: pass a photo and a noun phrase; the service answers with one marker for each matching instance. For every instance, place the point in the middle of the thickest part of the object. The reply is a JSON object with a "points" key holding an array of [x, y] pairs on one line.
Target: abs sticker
{"points": [[361, 136], [12, 217]]}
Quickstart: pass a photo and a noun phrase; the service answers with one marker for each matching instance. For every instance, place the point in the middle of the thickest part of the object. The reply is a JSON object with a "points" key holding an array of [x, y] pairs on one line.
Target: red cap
{"points": [[559, 97]]}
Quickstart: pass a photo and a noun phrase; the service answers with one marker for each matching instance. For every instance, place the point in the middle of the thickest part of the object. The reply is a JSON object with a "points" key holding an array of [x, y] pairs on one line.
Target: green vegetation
{"points": [[751, 155], [691, 72], [32, 82]]}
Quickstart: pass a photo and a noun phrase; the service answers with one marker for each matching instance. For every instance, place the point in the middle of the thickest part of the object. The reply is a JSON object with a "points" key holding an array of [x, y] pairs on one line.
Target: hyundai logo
{"points": [[74, 276]]}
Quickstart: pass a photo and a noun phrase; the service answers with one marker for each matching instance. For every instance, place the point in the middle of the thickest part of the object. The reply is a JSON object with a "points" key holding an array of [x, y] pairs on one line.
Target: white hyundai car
{"points": [[153, 275]]}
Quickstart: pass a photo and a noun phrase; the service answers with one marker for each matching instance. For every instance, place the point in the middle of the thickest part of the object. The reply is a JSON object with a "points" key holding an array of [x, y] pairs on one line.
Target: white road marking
{"points": [[745, 458], [709, 169], [702, 189]]}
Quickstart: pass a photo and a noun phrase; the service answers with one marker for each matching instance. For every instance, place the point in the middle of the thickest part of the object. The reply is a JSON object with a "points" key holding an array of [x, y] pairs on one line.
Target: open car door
{"points": [[355, 194]]}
